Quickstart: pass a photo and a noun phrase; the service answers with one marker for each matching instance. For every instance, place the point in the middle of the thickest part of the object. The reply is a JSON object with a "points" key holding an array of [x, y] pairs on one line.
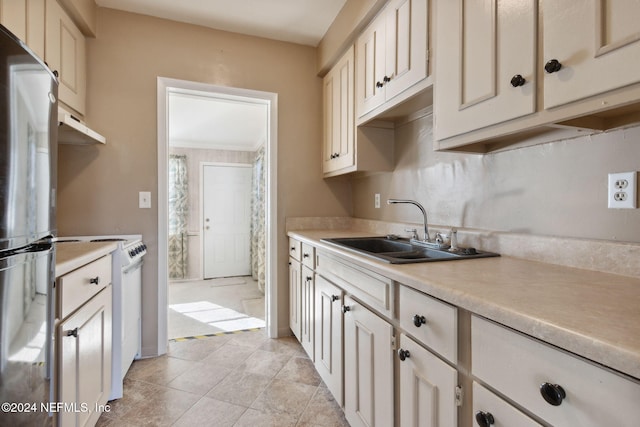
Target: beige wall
{"points": [[98, 185], [556, 189]]}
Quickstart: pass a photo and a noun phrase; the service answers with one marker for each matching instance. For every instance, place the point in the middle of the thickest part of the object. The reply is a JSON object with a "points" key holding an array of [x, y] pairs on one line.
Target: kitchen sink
{"points": [[396, 250]]}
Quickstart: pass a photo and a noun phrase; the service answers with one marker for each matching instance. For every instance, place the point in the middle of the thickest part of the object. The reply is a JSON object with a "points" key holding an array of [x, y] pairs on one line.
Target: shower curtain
{"points": [[258, 206], [178, 210]]}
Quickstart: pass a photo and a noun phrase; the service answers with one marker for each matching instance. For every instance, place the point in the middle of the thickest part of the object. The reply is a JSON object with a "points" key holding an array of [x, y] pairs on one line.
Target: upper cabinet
{"points": [[66, 53], [338, 152], [391, 55], [487, 57], [533, 71], [595, 46], [25, 19]]}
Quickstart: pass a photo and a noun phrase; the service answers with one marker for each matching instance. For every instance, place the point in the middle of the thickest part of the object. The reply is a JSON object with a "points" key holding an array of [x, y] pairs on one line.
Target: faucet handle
{"points": [[413, 231]]}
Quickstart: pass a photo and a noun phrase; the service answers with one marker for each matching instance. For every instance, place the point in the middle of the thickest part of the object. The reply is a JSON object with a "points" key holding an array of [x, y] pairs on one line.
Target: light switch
{"points": [[144, 200]]}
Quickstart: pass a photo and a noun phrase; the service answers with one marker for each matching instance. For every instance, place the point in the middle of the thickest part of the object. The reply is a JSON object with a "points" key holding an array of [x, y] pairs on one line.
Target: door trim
{"points": [[164, 85]]}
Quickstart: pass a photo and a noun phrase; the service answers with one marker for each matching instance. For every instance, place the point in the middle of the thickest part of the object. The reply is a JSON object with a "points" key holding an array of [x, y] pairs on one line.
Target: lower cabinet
{"points": [[328, 335], [306, 311], [295, 301], [368, 367], [84, 355], [427, 388]]}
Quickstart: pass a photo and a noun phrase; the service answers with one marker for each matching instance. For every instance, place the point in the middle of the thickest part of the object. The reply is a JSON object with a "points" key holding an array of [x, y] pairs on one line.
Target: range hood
{"points": [[73, 131]]}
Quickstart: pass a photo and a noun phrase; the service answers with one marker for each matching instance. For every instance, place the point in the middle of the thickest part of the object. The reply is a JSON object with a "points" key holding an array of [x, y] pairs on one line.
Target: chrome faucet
{"points": [[424, 214]]}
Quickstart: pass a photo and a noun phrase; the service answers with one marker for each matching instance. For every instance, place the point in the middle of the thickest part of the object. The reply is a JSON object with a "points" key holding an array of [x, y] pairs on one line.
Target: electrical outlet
{"points": [[376, 201], [622, 190]]}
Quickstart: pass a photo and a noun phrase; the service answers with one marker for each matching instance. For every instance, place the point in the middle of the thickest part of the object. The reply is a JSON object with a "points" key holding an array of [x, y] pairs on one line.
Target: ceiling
{"points": [[297, 21], [204, 120]]}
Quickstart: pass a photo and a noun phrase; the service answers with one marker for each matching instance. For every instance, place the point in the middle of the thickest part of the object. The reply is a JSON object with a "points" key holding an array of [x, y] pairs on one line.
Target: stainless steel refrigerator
{"points": [[28, 157]]}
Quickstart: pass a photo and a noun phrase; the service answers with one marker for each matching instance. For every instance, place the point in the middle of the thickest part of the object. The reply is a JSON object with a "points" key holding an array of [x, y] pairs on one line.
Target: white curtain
{"points": [[178, 211], [258, 206]]}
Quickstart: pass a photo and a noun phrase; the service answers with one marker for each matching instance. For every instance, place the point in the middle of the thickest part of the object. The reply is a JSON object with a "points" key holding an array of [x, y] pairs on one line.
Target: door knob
{"points": [[403, 354], [419, 320], [518, 80], [553, 394], [484, 419]]}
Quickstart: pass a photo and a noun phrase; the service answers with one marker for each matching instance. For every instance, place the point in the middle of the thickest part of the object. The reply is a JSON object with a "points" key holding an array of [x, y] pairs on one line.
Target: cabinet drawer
{"points": [[430, 321], [502, 413], [309, 255], [79, 286], [295, 249], [518, 366], [367, 286]]}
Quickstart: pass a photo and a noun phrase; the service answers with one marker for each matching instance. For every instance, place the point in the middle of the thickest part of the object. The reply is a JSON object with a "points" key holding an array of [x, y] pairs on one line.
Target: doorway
{"points": [[167, 237]]}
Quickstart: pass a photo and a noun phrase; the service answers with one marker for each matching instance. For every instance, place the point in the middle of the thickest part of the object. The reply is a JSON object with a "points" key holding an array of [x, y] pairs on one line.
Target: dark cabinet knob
{"points": [[403, 354], [305, 255], [73, 333], [553, 66], [552, 393], [484, 419], [419, 320], [379, 84], [309, 278], [345, 308], [55, 73], [386, 79], [293, 249], [517, 80], [334, 298], [95, 280], [333, 156], [337, 155]]}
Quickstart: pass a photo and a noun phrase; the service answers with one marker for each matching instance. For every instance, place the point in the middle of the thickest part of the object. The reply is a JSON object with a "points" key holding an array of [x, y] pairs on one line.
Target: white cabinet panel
{"points": [[368, 367], [307, 295], [295, 297], [328, 335], [488, 43], [597, 42], [487, 405], [427, 388]]}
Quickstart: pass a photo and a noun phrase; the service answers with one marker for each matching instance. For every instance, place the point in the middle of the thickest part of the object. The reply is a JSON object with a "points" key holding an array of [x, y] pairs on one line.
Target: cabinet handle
{"points": [[379, 84], [72, 333], [553, 66], [518, 80], [345, 308], [484, 419], [419, 320], [95, 280], [337, 155], [552, 393], [403, 354], [309, 278], [305, 255], [333, 156], [386, 79], [334, 298], [293, 249]]}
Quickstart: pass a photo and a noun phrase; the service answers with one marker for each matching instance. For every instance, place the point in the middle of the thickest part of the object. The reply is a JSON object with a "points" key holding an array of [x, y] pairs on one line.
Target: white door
{"points": [[226, 204]]}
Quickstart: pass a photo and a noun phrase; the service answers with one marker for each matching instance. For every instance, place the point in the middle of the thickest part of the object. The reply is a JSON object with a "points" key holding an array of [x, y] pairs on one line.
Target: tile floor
{"points": [[242, 379]]}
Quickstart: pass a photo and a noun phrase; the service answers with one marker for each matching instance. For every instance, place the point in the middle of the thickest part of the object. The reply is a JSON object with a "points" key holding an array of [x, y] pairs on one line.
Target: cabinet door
{"points": [[84, 360], [598, 44], [328, 335], [406, 56], [306, 311], [295, 299], [368, 367], [427, 388], [488, 43], [370, 66], [339, 123], [66, 53], [25, 19]]}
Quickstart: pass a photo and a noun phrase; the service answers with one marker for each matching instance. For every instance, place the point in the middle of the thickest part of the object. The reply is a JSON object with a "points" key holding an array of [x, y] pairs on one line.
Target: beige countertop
{"points": [[72, 255], [593, 314]]}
